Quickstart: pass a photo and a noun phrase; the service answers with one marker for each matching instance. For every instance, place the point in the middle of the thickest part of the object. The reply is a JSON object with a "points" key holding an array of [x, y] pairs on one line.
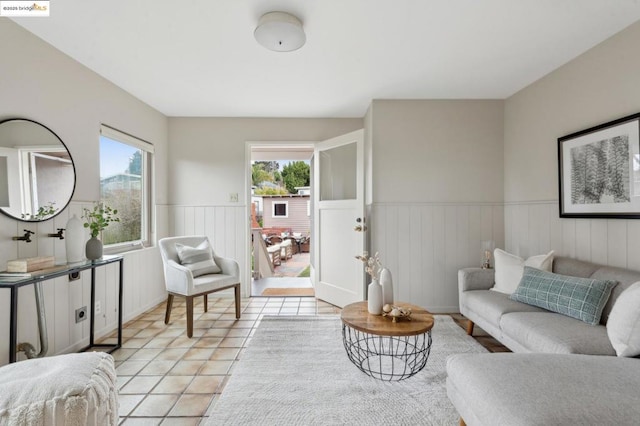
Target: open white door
{"points": [[339, 223]]}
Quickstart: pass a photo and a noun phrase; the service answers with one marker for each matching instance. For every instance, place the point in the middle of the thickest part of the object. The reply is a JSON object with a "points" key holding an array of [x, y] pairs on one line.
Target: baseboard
{"points": [[443, 309]]}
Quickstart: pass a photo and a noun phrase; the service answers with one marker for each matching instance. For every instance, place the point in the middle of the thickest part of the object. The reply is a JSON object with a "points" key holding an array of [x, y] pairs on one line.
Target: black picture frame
{"points": [[599, 171]]}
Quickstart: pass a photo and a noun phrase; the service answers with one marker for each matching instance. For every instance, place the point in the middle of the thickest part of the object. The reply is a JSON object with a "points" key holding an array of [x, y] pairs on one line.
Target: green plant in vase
{"points": [[97, 219]]}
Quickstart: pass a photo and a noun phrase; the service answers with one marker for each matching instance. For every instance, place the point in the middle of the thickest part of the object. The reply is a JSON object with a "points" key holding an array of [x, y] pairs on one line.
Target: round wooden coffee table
{"points": [[383, 349]]}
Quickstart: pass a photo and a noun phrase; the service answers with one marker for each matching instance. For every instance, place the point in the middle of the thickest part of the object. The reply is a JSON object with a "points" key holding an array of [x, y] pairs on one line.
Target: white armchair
{"points": [[180, 280]]}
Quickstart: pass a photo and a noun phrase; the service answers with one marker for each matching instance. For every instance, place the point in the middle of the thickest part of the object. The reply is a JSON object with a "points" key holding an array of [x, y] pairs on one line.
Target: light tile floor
{"points": [[166, 378]]}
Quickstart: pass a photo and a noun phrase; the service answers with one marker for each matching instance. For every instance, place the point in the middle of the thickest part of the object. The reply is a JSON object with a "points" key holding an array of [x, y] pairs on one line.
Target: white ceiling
{"points": [[199, 57]]}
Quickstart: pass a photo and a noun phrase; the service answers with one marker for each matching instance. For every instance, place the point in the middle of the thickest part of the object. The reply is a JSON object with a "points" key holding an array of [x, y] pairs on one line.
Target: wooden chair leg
{"points": [[189, 316], [206, 303], [470, 327], [237, 293], [167, 315], [462, 423]]}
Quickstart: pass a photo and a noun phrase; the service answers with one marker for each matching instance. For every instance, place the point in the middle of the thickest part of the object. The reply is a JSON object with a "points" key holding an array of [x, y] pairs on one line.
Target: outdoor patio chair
{"points": [[305, 244], [274, 239], [274, 254], [286, 249], [191, 269]]}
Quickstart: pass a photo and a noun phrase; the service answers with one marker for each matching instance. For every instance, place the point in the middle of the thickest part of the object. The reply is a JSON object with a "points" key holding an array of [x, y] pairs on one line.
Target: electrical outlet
{"points": [[81, 314], [233, 197], [98, 308]]}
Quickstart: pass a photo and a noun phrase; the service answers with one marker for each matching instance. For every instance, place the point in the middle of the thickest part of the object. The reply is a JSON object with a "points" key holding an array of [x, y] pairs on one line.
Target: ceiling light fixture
{"points": [[280, 32]]}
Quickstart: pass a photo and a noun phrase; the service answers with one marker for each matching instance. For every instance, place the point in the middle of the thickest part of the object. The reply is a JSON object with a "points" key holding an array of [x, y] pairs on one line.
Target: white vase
{"points": [[74, 240], [374, 298], [386, 282]]}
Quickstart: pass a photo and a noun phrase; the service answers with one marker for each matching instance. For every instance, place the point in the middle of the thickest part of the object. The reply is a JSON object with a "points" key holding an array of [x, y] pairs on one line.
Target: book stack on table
{"points": [[26, 267]]}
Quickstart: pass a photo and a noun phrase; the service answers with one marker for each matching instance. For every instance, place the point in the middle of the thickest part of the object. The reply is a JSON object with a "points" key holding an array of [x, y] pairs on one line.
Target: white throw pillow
{"points": [[509, 268], [198, 260], [623, 325]]}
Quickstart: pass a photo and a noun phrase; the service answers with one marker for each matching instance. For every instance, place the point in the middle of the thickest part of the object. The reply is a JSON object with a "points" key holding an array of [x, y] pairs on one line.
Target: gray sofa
{"points": [[526, 328], [557, 374], [544, 389]]}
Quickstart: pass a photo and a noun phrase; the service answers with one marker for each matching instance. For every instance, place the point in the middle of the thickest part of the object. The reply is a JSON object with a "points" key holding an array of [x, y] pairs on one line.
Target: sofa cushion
{"points": [[623, 326], [548, 332], [580, 298], [199, 260], [491, 305], [509, 268], [574, 267], [624, 277], [544, 389]]}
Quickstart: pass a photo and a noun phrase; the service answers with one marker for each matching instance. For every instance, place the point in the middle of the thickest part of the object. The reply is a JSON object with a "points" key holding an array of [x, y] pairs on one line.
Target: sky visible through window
{"points": [[114, 157]]}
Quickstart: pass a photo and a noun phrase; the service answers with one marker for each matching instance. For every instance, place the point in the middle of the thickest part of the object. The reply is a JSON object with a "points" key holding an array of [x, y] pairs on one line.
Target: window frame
{"points": [[273, 210], [147, 216]]}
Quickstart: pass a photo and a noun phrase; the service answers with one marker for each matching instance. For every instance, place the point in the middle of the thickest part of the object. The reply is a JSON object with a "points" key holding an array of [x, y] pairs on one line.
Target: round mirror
{"points": [[37, 176]]}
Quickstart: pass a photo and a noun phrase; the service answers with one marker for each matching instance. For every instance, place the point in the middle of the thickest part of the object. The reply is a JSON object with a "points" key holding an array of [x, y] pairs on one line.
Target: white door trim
{"points": [[249, 145]]}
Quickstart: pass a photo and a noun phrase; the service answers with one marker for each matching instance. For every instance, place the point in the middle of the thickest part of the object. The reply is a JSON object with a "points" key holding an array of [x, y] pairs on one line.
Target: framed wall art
{"points": [[599, 171]]}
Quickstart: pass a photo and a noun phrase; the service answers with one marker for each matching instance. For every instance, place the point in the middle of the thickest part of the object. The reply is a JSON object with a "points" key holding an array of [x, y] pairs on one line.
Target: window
{"points": [[280, 209], [125, 185]]}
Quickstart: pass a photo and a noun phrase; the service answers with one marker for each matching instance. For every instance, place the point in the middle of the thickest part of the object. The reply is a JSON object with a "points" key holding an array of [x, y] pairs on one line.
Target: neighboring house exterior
{"points": [[287, 211], [257, 201], [303, 190], [121, 181]]}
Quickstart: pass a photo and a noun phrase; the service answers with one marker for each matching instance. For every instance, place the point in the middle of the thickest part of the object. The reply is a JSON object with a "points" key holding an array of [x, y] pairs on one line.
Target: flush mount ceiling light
{"points": [[280, 32]]}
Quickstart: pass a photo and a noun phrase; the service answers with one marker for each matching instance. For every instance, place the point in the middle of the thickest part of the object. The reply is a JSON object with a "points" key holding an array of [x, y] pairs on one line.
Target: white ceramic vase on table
{"points": [[374, 298], [74, 240], [386, 282]]}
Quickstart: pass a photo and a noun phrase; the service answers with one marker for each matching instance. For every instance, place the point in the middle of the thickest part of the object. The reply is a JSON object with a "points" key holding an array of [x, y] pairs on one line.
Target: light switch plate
{"points": [[233, 197]]}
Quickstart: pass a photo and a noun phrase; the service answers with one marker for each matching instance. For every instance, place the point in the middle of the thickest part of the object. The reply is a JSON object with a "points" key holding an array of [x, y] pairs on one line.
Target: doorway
{"points": [[280, 188]]}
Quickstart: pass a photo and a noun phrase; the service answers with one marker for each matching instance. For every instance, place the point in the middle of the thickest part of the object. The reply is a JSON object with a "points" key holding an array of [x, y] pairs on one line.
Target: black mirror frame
{"points": [[73, 164]]}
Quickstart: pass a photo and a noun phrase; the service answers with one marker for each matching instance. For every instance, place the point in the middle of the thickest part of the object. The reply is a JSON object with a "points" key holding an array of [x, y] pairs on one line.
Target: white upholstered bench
{"points": [[72, 389]]}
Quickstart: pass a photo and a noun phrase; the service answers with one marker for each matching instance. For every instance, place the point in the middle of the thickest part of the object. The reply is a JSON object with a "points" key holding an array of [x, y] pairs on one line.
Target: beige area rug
{"points": [[301, 292], [295, 372]]}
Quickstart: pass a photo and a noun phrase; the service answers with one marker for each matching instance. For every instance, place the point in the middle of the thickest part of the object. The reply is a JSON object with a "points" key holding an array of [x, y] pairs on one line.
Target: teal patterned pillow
{"points": [[580, 298]]}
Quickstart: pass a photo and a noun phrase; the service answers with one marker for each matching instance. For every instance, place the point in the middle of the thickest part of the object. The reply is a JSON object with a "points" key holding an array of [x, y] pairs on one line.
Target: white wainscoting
{"points": [[143, 288], [535, 227], [224, 225], [424, 245]]}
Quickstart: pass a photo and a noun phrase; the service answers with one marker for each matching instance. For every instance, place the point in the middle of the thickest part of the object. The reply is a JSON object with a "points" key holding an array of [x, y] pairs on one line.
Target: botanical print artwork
{"points": [[600, 172]]}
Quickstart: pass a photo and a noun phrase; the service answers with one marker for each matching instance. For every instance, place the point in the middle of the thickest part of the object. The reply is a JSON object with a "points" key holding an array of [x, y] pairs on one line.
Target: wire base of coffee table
{"points": [[389, 358]]}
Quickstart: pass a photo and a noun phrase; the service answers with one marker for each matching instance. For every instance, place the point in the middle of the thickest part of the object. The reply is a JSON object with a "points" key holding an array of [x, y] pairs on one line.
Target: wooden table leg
{"points": [[470, 327]]}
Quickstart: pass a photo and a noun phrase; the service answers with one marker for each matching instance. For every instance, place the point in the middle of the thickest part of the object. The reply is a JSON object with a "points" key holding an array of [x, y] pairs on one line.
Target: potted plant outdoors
{"points": [[97, 220]]}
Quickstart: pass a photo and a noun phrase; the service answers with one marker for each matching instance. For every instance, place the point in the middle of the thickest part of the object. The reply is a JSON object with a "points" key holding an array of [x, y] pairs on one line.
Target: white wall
{"points": [[601, 85], [437, 192], [208, 163], [208, 154], [41, 83]]}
